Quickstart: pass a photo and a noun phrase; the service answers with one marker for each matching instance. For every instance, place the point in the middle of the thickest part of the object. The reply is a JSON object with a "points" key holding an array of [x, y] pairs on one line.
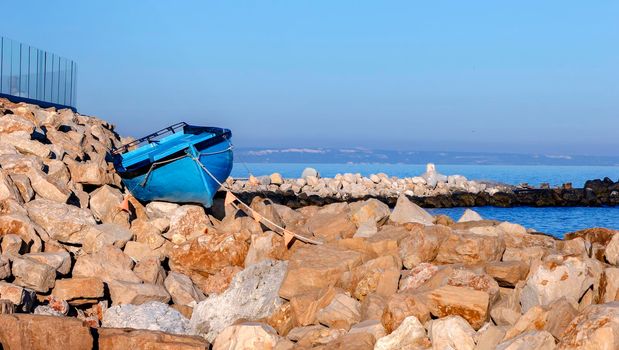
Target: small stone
{"points": [[276, 179]]}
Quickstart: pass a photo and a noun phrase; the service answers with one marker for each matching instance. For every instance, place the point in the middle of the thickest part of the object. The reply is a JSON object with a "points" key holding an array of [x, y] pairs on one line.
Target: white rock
{"points": [[612, 250], [161, 209], [408, 334], [470, 215], [531, 340], [153, 316], [407, 211], [181, 289], [551, 281], [252, 294], [309, 172], [245, 336], [452, 332]]}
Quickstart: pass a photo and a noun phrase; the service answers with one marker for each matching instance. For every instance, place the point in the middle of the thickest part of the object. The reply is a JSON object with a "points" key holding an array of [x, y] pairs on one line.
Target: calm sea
{"points": [[555, 221]]}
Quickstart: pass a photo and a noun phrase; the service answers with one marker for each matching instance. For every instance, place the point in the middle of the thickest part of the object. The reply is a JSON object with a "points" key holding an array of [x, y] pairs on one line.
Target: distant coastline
{"points": [[371, 156]]}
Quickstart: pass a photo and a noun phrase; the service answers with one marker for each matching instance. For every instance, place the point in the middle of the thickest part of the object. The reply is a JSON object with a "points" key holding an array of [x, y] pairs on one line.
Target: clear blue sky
{"points": [[519, 76]]}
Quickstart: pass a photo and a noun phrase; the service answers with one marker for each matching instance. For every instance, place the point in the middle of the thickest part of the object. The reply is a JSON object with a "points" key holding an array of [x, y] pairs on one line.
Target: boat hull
{"points": [[180, 177]]}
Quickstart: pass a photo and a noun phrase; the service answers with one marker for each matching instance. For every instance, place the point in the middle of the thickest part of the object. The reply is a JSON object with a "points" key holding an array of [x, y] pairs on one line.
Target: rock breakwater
{"points": [[79, 270], [430, 190]]}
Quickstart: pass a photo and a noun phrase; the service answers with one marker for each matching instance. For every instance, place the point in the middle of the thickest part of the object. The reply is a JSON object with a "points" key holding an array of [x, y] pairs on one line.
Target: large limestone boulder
{"points": [[92, 172], [330, 224], [25, 145], [126, 338], [371, 210], [358, 341], [60, 261], [556, 278], [207, 255], [122, 292], [531, 340], [247, 335], [452, 332], [470, 215], [155, 316], [316, 267], [11, 123], [342, 312], [98, 236], [24, 331], [79, 290], [422, 245], [409, 335], [108, 264], [181, 289], [63, 222], [47, 188], [406, 211], [400, 306], [20, 225], [612, 250], [105, 204], [469, 303], [507, 273], [251, 295], [597, 327], [380, 276], [189, 219], [469, 248], [33, 274]]}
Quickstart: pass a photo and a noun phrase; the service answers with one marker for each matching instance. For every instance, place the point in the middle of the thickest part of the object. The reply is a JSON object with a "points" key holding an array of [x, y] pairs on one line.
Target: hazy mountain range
{"points": [[361, 155]]}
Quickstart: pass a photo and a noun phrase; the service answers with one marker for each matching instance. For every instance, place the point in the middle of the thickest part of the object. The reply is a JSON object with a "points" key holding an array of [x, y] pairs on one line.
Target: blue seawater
{"points": [[556, 221], [552, 220]]}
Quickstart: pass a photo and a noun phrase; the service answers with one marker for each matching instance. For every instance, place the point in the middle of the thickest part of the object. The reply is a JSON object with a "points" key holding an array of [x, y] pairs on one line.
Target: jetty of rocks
{"points": [[430, 190], [80, 270]]}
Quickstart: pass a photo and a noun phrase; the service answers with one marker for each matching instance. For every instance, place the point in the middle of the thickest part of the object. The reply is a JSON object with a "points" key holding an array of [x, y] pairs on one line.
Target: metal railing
{"points": [[32, 75]]}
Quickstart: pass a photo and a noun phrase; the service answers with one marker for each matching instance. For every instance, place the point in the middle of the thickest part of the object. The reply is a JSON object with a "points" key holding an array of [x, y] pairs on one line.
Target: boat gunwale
{"points": [[142, 167]]}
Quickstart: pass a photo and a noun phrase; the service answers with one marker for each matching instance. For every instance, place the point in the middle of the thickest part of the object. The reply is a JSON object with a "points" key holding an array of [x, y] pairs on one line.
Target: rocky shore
{"points": [[81, 270], [430, 190]]}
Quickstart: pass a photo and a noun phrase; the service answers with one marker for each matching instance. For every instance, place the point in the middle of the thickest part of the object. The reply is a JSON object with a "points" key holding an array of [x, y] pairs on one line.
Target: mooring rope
{"points": [[231, 198]]}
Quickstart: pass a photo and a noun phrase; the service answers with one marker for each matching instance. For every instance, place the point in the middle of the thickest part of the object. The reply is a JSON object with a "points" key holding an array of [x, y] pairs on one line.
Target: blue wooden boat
{"points": [[181, 163]]}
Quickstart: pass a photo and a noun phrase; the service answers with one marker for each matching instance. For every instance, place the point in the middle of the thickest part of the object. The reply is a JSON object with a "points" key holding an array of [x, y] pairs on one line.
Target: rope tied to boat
{"points": [[232, 199]]}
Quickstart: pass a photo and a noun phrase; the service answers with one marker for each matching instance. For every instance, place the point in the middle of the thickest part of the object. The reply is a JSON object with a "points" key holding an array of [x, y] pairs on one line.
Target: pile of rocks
{"points": [[350, 187], [76, 262]]}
